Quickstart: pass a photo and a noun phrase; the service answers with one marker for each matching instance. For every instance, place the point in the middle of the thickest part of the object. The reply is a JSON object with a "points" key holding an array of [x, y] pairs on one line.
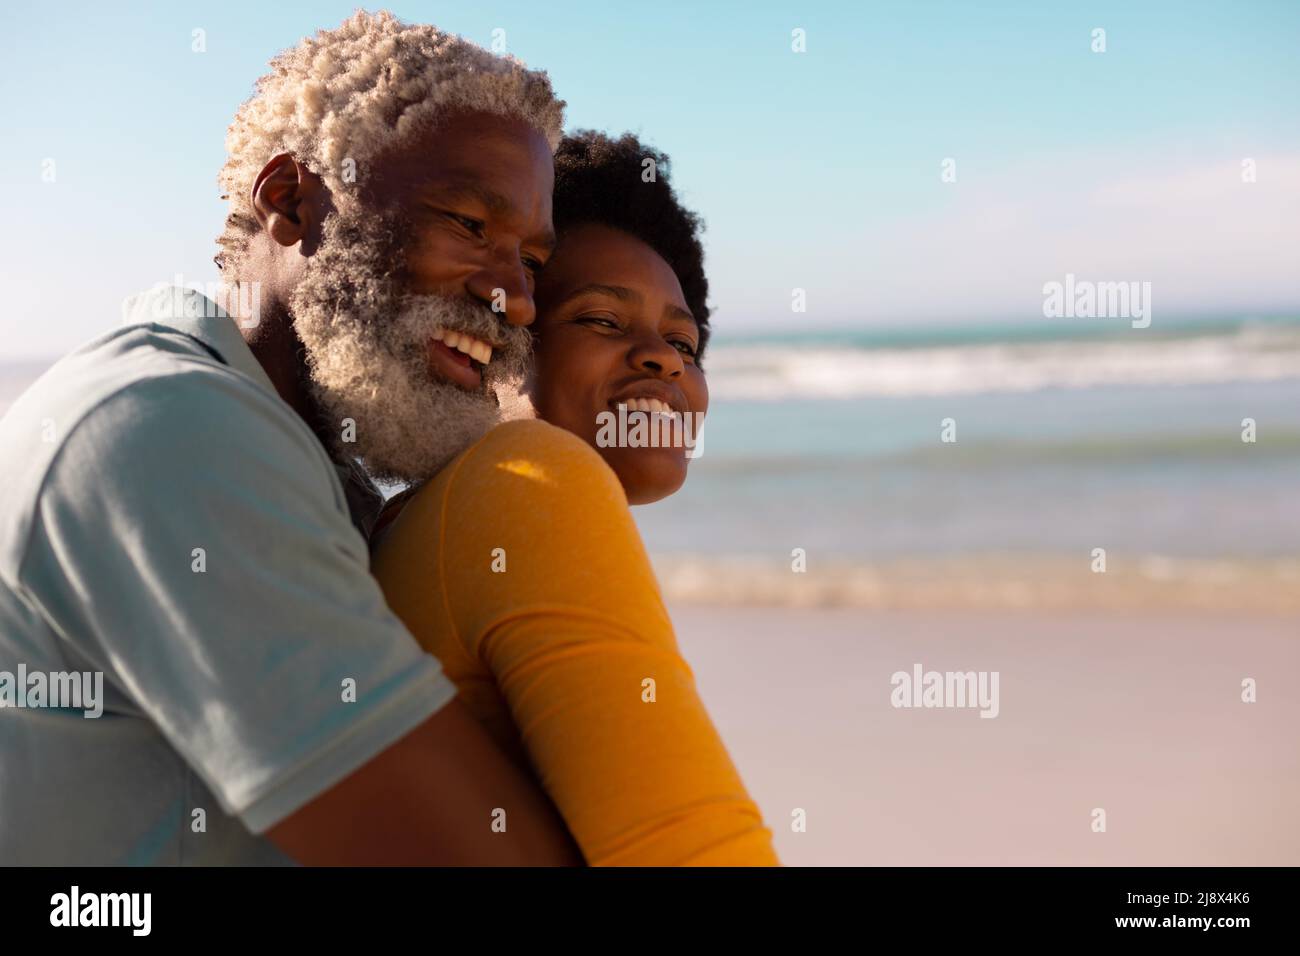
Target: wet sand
{"points": [[1138, 714]]}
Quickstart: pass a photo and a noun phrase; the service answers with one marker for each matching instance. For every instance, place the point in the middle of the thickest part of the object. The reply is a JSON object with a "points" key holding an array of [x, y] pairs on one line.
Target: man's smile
{"points": [[459, 357]]}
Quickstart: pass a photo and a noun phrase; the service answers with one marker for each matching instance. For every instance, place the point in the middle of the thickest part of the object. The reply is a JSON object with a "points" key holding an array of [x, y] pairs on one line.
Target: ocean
{"points": [[1062, 441]]}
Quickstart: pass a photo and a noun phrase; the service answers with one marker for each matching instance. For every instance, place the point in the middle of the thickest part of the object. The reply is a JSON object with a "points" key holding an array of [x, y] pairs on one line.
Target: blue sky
{"points": [[816, 170]]}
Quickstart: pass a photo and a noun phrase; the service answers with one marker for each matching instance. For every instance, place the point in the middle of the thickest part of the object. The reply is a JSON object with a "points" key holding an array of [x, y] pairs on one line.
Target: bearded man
{"points": [[181, 510]]}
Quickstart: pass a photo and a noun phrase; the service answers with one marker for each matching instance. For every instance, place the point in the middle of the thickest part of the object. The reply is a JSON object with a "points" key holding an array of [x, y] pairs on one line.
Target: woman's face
{"points": [[613, 329]]}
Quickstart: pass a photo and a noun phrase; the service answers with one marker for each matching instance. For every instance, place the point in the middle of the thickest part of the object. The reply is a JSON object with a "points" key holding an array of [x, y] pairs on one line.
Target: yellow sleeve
{"points": [[572, 630]]}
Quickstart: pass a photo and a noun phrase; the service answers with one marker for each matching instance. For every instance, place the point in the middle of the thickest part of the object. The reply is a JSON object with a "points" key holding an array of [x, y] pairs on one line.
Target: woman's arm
{"points": [[572, 628]]}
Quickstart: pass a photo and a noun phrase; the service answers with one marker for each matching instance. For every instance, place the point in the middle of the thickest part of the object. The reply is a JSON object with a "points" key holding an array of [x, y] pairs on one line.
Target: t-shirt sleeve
{"points": [[192, 542]]}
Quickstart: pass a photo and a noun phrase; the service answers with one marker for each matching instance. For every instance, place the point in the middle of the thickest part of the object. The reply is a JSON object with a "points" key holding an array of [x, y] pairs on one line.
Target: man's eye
{"points": [[599, 320], [473, 225], [686, 348]]}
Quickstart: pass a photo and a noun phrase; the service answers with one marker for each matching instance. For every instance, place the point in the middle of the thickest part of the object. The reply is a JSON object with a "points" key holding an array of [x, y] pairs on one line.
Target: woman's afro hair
{"points": [[623, 184]]}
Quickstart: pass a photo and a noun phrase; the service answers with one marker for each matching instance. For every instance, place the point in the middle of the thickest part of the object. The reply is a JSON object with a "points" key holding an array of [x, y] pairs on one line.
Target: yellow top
{"points": [[520, 568]]}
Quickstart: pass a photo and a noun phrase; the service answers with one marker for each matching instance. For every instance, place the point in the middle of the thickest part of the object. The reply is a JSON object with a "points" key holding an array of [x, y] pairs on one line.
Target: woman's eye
{"points": [[686, 348], [533, 265]]}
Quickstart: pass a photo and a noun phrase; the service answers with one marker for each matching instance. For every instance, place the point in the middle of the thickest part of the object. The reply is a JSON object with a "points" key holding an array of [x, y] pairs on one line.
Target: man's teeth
{"points": [[476, 349], [651, 405]]}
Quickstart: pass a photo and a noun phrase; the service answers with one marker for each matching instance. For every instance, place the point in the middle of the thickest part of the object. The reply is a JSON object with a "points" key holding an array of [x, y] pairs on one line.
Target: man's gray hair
{"points": [[351, 93]]}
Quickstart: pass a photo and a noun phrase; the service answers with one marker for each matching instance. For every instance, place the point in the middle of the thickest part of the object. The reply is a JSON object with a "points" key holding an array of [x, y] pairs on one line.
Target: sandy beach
{"points": [[1136, 713]]}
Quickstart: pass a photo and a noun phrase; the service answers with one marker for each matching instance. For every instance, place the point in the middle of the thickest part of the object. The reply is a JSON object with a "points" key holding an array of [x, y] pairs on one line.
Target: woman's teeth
{"points": [[476, 349], [651, 405]]}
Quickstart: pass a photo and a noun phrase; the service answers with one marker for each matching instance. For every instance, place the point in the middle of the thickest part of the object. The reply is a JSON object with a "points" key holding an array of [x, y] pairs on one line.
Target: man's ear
{"points": [[287, 200]]}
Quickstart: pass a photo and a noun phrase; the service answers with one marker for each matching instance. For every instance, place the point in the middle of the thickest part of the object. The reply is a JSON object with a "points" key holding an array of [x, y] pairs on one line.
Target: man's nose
{"points": [[503, 286]]}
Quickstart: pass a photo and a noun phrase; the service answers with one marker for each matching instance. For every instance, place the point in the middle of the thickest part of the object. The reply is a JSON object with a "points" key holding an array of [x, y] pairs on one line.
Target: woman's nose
{"points": [[658, 357]]}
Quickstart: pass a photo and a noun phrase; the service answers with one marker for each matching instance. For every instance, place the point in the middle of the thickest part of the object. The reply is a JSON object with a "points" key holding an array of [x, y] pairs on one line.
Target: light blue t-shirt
{"points": [[167, 521]]}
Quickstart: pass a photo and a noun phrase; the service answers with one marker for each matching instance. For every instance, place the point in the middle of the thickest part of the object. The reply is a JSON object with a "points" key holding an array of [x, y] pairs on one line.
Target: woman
{"points": [[519, 565]]}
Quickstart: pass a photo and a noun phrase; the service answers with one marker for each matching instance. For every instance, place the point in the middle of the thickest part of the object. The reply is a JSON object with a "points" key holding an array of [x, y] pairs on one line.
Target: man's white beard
{"points": [[368, 355]]}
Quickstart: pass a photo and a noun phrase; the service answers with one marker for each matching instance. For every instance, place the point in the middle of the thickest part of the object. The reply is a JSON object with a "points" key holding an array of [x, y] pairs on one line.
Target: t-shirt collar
{"points": [[193, 313]]}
